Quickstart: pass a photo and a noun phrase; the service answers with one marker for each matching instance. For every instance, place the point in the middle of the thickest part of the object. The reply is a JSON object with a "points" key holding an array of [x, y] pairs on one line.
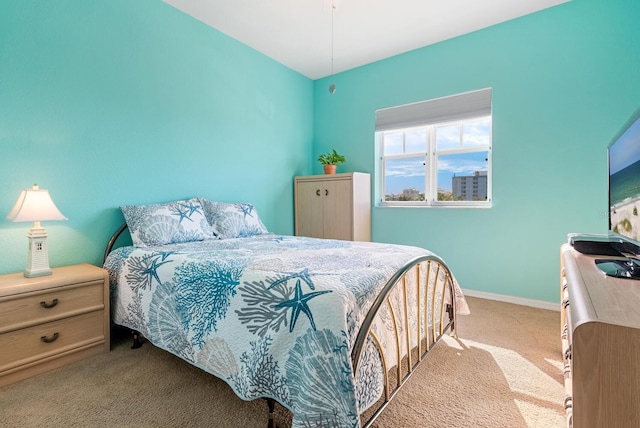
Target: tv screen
{"points": [[624, 181]]}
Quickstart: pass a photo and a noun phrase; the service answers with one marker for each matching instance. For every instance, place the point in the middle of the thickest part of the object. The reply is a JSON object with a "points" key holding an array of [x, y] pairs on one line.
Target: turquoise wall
{"points": [[115, 102], [564, 81]]}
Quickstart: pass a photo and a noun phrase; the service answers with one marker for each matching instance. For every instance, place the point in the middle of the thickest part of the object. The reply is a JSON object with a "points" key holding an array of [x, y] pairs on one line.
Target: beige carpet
{"points": [[504, 371]]}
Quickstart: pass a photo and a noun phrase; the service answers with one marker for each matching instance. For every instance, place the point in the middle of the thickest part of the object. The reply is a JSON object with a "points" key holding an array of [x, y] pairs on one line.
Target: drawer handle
{"points": [[53, 338], [49, 306], [318, 192], [568, 402], [567, 353]]}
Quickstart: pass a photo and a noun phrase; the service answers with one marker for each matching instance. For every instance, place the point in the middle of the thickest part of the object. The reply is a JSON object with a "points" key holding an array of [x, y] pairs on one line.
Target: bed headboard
{"points": [[113, 240]]}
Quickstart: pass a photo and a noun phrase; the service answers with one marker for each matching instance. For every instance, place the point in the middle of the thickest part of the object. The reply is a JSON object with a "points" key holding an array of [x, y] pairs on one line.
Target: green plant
{"points": [[332, 158]]}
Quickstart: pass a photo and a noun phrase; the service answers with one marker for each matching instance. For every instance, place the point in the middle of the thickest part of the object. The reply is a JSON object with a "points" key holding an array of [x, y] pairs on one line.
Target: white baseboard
{"points": [[541, 304]]}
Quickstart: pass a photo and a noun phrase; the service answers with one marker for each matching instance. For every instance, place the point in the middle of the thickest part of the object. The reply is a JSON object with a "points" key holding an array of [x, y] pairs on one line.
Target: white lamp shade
{"points": [[34, 205]]}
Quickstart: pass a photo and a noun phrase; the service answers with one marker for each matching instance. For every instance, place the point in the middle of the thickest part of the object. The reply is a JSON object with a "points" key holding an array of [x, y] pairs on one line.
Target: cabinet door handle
{"points": [[49, 305], [326, 192], [53, 338], [318, 192]]}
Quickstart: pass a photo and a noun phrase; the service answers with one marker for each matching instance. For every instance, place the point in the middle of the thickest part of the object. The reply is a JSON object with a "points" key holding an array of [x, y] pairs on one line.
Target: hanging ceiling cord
{"points": [[332, 87], [333, 7]]}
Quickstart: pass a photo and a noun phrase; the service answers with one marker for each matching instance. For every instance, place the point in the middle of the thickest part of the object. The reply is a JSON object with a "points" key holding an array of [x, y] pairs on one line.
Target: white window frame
{"points": [[431, 114]]}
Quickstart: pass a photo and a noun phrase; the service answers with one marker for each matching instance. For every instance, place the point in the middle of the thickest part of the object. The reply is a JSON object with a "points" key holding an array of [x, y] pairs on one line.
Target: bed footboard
{"points": [[419, 304]]}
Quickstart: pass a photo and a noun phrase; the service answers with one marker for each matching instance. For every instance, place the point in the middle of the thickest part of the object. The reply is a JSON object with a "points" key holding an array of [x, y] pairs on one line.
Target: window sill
{"points": [[424, 206]]}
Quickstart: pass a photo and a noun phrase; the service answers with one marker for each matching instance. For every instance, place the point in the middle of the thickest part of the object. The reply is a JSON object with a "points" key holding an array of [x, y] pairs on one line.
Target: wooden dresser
{"points": [[600, 328], [334, 206], [49, 321]]}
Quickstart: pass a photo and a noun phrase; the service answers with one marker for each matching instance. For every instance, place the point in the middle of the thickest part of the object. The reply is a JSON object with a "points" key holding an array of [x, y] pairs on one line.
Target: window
{"points": [[437, 152]]}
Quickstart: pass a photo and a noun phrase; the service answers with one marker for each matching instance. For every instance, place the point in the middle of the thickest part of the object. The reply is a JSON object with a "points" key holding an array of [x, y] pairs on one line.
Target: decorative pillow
{"points": [[170, 223], [233, 220]]}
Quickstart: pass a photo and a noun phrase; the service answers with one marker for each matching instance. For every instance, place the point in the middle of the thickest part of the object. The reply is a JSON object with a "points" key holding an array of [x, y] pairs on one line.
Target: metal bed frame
{"points": [[424, 332]]}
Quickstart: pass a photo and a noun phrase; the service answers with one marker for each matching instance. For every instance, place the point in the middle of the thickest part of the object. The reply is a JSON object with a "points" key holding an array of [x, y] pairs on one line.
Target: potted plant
{"points": [[330, 161]]}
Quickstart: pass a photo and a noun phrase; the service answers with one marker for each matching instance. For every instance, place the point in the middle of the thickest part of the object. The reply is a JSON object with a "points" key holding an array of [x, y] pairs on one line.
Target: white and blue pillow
{"points": [[233, 219], [169, 223]]}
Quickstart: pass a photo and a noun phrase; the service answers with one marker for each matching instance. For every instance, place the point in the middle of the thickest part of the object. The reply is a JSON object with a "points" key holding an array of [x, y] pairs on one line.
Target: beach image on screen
{"points": [[624, 183]]}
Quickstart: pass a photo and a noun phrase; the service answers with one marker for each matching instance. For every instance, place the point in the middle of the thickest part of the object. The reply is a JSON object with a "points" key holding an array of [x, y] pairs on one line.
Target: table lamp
{"points": [[35, 205]]}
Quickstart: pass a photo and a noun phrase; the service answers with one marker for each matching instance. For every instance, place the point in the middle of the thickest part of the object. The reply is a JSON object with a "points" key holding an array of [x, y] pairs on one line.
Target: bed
{"points": [[329, 329]]}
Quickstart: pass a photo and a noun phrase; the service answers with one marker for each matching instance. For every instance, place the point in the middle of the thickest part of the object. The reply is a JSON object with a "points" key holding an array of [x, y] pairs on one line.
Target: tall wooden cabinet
{"points": [[334, 206], [600, 328]]}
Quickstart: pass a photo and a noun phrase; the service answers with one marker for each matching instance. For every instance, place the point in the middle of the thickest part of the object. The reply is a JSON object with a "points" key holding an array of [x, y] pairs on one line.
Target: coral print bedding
{"points": [[275, 316]]}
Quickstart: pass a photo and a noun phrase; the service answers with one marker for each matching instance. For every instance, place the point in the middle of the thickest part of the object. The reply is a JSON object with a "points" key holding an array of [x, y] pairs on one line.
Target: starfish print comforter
{"points": [[273, 316]]}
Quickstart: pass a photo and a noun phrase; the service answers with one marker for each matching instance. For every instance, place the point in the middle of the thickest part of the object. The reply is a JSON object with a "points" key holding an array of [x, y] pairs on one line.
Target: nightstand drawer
{"points": [[23, 346], [21, 311]]}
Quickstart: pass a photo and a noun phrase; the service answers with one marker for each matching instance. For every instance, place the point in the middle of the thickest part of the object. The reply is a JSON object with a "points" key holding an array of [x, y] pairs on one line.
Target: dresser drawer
{"points": [[20, 311], [32, 343]]}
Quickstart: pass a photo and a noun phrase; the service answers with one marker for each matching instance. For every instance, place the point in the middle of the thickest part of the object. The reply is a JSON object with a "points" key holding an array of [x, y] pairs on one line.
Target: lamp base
{"points": [[33, 274], [38, 255]]}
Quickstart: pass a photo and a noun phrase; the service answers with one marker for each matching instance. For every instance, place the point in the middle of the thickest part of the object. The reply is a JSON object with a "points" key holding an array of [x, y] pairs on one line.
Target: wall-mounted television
{"points": [[624, 200], [624, 181], [622, 243]]}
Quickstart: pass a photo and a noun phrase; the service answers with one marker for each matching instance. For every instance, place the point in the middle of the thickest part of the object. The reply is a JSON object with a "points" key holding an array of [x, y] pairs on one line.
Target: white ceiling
{"points": [[297, 33]]}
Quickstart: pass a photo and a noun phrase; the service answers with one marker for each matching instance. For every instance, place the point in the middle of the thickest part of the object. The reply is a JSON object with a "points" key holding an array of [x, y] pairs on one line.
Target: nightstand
{"points": [[50, 321]]}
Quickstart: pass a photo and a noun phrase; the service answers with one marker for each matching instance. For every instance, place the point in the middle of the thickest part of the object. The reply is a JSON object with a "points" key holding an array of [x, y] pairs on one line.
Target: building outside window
{"points": [[474, 185]]}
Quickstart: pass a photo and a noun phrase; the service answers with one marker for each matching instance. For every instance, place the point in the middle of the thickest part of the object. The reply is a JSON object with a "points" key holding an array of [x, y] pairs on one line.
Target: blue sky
{"points": [[409, 173], [626, 149]]}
